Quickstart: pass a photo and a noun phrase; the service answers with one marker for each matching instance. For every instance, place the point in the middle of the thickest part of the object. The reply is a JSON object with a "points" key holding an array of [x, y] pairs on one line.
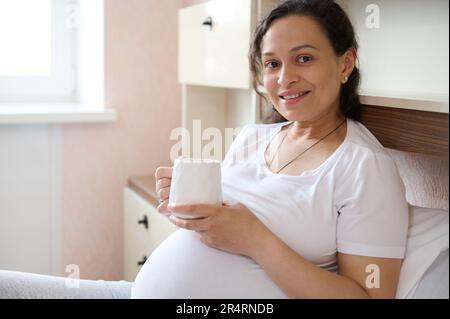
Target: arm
{"points": [[299, 278]]}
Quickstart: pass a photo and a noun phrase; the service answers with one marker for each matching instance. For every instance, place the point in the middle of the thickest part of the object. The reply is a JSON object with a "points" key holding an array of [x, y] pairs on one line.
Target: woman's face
{"points": [[297, 58]]}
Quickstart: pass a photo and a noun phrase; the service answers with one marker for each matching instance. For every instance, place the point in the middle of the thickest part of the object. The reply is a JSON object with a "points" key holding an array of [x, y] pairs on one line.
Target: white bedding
{"points": [[428, 237]]}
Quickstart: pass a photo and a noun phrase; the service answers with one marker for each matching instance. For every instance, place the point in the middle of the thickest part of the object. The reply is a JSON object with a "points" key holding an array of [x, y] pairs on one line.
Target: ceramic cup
{"points": [[195, 181]]}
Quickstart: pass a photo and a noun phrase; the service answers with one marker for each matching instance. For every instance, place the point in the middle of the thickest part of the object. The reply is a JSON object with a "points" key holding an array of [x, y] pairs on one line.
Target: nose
{"points": [[287, 76]]}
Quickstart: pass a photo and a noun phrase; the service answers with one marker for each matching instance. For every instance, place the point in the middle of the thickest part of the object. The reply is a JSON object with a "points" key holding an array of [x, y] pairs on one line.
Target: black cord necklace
{"points": [[295, 158]]}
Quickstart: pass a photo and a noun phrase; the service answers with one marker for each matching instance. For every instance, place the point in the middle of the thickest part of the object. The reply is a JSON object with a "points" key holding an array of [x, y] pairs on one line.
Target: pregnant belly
{"points": [[183, 267]]}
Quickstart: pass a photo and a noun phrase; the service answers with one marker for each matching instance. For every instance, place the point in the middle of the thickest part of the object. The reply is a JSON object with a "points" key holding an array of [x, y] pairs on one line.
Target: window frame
{"points": [[60, 86]]}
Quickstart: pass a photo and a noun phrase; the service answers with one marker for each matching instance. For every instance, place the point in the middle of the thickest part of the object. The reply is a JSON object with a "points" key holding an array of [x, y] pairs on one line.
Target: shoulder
{"points": [[362, 145], [365, 157], [362, 140]]}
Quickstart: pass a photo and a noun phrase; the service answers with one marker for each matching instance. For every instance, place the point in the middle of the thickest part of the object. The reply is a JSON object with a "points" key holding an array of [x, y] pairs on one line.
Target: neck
{"points": [[314, 129]]}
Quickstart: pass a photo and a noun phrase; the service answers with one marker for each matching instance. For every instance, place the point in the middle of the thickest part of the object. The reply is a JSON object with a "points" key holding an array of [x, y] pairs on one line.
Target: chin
{"points": [[292, 115]]}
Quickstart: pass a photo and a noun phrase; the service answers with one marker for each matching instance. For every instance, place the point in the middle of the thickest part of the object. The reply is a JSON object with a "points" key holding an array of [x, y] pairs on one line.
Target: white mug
{"points": [[195, 181]]}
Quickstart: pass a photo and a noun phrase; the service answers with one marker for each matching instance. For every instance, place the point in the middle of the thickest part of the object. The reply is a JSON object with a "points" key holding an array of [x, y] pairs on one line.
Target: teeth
{"points": [[290, 97]]}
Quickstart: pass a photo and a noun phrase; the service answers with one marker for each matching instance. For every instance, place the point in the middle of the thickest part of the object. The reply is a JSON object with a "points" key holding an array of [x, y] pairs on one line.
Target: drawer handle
{"points": [[140, 263], [208, 21], [144, 221]]}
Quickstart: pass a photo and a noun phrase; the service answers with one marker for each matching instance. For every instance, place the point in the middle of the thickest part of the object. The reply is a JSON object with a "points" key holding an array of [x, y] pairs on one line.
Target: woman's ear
{"points": [[348, 64]]}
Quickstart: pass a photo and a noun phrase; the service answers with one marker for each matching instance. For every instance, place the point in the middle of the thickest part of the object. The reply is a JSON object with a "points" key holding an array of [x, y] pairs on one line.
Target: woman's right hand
{"points": [[163, 176]]}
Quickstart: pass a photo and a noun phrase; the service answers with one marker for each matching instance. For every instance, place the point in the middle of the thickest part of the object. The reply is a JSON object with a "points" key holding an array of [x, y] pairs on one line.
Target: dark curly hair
{"points": [[339, 31]]}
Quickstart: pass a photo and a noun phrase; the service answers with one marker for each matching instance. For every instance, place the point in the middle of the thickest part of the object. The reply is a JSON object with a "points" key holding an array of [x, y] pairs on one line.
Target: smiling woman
{"points": [[310, 201], [311, 73], [325, 48]]}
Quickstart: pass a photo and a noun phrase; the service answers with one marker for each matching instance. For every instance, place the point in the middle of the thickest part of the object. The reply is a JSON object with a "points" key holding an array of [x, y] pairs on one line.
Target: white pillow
{"points": [[428, 236]]}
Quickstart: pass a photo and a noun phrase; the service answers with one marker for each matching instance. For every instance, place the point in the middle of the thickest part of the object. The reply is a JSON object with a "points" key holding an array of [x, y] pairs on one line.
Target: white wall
{"points": [[29, 207]]}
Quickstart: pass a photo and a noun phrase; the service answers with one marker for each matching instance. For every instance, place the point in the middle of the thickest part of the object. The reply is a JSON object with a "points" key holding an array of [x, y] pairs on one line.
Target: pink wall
{"points": [[97, 159]]}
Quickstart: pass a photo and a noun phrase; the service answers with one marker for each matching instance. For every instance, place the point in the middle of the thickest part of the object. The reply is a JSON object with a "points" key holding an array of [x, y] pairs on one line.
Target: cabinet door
{"points": [[136, 243], [159, 228], [216, 55], [144, 230]]}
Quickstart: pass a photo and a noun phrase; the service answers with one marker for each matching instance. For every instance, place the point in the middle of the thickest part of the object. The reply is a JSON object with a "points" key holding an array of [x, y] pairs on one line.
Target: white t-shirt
{"points": [[352, 203]]}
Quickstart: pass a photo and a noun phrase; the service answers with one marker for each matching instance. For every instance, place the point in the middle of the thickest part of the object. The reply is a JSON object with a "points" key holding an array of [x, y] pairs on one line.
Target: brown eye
{"points": [[270, 64], [304, 58]]}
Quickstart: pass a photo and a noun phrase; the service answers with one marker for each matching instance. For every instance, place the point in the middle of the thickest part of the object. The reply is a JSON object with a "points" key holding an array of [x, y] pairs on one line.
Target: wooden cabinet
{"points": [[144, 230], [214, 39]]}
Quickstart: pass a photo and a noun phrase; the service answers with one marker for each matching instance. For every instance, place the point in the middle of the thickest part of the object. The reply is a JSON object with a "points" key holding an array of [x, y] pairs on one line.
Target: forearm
{"points": [[299, 278]]}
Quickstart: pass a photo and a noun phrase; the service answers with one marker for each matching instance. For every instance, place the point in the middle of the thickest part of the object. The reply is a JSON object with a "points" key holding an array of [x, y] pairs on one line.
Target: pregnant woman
{"points": [[313, 205]]}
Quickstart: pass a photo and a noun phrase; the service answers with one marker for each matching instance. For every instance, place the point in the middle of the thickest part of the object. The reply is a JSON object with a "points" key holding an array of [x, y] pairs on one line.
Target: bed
{"points": [[408, 130]]}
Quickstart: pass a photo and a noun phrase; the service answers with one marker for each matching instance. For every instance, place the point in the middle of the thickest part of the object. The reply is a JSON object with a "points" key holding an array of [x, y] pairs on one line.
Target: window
{"points": [[37, 51]]}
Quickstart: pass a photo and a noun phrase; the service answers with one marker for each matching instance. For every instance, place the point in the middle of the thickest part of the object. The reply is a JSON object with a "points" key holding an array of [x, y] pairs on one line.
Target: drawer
{"points": [[144, 229]]}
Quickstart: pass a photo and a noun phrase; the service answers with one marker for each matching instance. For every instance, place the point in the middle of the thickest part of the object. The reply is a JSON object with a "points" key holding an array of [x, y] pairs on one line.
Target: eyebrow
{"points": [[295, 49]]}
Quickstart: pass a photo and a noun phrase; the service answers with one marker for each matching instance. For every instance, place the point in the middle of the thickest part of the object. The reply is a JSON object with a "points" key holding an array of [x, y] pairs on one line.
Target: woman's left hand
{"points": [[233, 228]]}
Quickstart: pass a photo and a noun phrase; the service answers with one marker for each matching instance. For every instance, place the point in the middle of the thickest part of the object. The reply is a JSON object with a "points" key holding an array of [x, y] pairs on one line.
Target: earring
{"points": [[346, 79]]}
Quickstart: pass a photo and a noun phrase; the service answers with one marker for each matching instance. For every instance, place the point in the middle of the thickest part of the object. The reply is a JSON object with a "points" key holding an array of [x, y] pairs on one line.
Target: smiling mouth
{"points": [[293, 96]]}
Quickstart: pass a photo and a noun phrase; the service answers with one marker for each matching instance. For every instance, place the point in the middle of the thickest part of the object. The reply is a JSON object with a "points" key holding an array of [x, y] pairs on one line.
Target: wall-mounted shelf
{"points": [[402, 54], [429, 103]]}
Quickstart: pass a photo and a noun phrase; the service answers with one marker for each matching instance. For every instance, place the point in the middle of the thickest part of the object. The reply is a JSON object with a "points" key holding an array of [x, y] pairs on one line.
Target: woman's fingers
{"points": [[162, 183], [163, 193], [162, 208], [163, 172], [199, 225], [197, 210], [163, 177]]}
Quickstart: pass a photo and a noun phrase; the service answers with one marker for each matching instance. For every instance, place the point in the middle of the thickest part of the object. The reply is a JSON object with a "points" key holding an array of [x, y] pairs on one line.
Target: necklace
{"points": [[303, 152]]}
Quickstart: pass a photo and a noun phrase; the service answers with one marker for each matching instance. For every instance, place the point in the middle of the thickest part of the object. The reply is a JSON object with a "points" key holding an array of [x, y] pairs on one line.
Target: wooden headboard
{"points": [[408, 130]]}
